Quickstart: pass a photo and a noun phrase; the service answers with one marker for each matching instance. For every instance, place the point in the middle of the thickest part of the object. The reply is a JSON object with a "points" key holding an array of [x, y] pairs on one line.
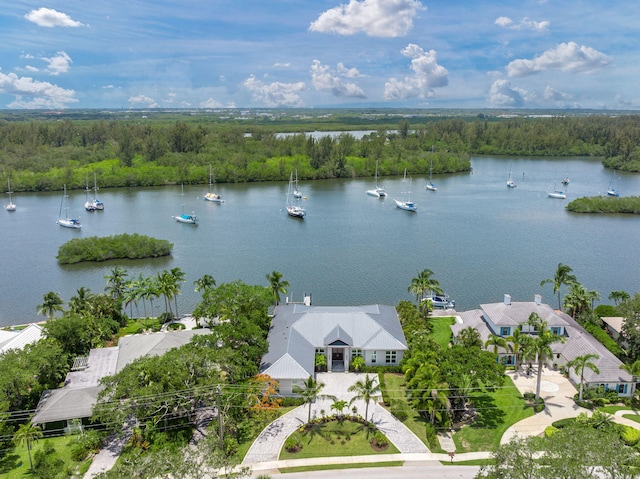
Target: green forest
{"points": [[40, 154]]}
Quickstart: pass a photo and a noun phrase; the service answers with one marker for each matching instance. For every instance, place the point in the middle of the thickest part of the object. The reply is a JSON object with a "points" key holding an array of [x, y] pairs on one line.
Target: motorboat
{"points": [[441, 301], [561, 195]]}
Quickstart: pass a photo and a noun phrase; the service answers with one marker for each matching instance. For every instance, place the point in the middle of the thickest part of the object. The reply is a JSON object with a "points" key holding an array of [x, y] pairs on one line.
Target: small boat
{"points": [[191, 219], [293, 203], [88, 204], [66, 221], [430, 186], [559, 194], [211, 196], [378, 191], [510, 182], [407, 204], [296, 192], [565, 181], [441, 301], [404, 177], [612, 190], [95, 202], [11, 205]]}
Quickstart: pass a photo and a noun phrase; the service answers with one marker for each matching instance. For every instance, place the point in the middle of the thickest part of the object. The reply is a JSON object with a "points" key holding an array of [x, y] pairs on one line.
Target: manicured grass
{"points": [[330, 467], [15, 465], [497, 411], [632, 417], [441, 332], [474, 462], [416, 423], [614, 409], [139, 325], [335, 438]]}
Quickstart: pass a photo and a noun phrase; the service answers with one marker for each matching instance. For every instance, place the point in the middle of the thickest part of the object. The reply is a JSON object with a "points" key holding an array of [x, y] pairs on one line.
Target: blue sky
{"points": [[296, 53]]}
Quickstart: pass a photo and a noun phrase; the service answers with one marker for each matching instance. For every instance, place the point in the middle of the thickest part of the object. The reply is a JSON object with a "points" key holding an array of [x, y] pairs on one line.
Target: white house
{"points": [[299, 332]]}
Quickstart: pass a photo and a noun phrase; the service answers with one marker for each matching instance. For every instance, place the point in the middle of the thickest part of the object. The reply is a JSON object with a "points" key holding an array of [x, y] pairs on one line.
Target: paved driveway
{"points": [[267, 446]]}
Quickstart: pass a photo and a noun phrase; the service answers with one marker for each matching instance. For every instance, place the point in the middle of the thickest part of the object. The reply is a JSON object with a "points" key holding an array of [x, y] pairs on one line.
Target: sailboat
{"points": [[430, 186], [96, 203], [191, 219], [296, 192], [10, 206], [404, 177], [293, 203], [211, 196], [612, 190], [88, 204], [66, 221], [557, 192], [407, 205], [510, 182], [378, 191]]}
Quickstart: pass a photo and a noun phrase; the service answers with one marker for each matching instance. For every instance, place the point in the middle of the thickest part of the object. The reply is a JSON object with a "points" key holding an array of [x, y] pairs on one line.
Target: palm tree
{"points": [[540, 345], [338, 406], [205, 283], [424, 283], [580, 363], [309, 392], [80, 303], [439, 401], [469, 337], [178, 277], [50, 304], [618, 296], [495, 341], [577, 300], [366, 390], [116, 282], [27, 434], [517, 343], [277, 285], [633, 369], [563, 276]]}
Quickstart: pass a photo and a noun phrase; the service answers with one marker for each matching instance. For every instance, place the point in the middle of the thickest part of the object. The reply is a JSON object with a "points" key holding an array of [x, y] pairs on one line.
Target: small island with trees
{"points": [[124, 246], [605, 204]]}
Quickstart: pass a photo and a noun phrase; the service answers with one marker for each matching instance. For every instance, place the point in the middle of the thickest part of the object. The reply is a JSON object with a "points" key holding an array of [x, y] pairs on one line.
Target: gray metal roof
{"points": [[297, 330], [19, 339], [518, 313], [66, 403]]}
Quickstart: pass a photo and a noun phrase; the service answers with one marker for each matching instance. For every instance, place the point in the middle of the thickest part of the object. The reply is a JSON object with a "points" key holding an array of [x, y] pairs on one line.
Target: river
{"points": [[479, 238]]}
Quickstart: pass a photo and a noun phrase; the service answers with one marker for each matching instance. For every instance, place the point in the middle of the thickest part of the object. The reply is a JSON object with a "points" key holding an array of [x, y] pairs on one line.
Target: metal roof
{"points": [[20, 339], [518, 313]]}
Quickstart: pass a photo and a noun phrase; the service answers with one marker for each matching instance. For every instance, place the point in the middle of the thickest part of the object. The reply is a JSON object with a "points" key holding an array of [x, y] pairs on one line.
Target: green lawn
{"points": [[614, 409], [497, 411], [632, 417], [441, 331], [335, 438], [15, 465], [330, 467]]}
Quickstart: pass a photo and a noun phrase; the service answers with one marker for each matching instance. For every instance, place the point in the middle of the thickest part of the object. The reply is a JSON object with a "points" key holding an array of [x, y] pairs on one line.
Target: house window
{"points": [[356, 353], [622, 389], [319, 350], [505, 331], [556, 330], [390, 357], [373, 357]]}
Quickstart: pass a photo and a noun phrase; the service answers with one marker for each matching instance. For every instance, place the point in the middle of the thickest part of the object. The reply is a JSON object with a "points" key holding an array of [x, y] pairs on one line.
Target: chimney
{"points": [[538, 299], [507, 299]]}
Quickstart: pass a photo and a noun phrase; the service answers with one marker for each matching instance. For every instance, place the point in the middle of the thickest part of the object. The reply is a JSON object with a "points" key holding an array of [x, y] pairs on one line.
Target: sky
{"points": [[212, 54]]}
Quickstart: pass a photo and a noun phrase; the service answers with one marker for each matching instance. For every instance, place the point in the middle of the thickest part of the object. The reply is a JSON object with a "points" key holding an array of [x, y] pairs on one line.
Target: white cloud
{"points": [[30, 93], [502, 94], [58, 64], [428, 75], [281, 65], [210, 103], [31, 69], [552, 94], [376, 18], [347, 72], [525, 24], [276, 93], [143, 99], [47, 17], [569, 57], [325, 79]]}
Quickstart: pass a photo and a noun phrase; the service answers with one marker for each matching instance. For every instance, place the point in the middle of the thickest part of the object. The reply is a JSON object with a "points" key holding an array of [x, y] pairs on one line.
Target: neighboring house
{"points": [[502, 319], [18, 339], [300, 331], [614, 327], [68, 406]]}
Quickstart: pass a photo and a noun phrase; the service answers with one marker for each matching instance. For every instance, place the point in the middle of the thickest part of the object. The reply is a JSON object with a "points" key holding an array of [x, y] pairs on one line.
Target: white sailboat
{"points": [[293, 203], [10, 206], [296, 192], [66, 221], [88, 204], [378, 191], [211, 196], [510, 182], [557, 193], [191, 219], [96, 203], [407, 204], [611, 191], [430, 186]]}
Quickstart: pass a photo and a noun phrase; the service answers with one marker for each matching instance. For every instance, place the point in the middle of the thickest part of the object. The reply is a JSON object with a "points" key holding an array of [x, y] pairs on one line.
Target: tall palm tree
{"points": [[116, 283], [27, 434], [50, 304], [366, 390], [81, 302], [633, 369], [618, 296], [580, 363], [517, 343], [424, 283], [540, 345], [178, 277], [495, 341], [277, 285], [309, 392], [577, 300], [205, 283], [562, 276]]}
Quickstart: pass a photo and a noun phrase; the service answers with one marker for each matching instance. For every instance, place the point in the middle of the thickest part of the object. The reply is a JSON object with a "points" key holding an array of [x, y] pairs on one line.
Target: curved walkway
{"points": [[266, 448]]}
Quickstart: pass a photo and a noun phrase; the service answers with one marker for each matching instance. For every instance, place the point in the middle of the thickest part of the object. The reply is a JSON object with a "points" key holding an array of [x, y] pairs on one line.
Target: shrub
{"points": [[550, 431], [560, 423], [357, 364], [629, 435], [321, 363], [380, 439], [431, 435], [292, 444], [400, 409], [291, 401], [83, 444]]}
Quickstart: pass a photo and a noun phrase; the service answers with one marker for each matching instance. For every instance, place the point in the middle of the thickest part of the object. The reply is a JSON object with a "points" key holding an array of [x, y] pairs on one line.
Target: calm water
{"points": [[480, 238]]}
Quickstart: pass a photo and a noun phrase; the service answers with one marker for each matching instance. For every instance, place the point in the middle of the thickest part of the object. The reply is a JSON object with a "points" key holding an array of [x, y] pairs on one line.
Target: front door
{"points": [[337, 359]]}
